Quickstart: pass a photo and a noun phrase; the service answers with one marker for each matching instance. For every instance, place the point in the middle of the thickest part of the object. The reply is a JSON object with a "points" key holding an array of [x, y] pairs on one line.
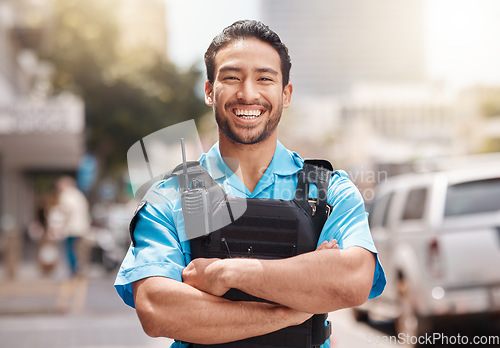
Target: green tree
{"points": [[127, 96]]}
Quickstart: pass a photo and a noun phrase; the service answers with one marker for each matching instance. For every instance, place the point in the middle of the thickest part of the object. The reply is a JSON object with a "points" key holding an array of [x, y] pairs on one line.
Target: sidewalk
{"points": [[29, 316], [28, 297], [31, 292]]}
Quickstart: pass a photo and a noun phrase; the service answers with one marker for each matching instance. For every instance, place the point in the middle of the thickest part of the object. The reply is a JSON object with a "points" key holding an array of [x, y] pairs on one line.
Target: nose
{"points": [[248, 92]]}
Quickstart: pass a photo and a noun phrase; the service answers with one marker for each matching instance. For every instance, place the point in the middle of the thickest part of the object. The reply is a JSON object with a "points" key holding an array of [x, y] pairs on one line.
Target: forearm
{"points": [[173, 309], [317, 282]]}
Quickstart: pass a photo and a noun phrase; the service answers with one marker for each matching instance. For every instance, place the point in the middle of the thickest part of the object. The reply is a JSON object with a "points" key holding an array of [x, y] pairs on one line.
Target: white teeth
{"points": [[247, 114]]}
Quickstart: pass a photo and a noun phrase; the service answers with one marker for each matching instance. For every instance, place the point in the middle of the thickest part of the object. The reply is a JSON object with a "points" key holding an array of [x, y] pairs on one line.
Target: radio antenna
{"points": [[184, 163]]}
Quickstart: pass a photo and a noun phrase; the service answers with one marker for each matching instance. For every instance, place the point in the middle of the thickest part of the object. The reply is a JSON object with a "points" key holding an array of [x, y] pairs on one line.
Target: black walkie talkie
{"points": [[195, 203]]}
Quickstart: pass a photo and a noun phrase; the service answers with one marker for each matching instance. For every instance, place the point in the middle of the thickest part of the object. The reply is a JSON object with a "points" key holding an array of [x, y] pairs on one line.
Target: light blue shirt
{"points": [[162, 250]]}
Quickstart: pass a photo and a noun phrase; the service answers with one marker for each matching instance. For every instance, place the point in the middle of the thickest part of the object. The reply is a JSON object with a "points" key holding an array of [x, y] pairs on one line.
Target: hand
{"points": [[328, 245], [204, 274]]}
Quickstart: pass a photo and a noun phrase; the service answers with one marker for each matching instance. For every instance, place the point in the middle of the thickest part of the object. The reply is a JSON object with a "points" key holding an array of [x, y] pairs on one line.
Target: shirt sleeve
{"points": [[348, 223], [157, 250]]}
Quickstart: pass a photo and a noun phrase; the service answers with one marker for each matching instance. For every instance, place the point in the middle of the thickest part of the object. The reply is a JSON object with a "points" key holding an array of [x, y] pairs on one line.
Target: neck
{"points": [[253, 160]]}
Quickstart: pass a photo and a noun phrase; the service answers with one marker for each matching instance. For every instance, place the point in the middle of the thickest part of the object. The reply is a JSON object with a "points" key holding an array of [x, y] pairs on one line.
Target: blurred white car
{"points": [[438, 237]]}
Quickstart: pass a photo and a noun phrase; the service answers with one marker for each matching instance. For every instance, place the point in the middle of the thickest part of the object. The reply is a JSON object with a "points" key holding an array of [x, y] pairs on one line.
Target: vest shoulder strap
{"points": [[317, 172]]}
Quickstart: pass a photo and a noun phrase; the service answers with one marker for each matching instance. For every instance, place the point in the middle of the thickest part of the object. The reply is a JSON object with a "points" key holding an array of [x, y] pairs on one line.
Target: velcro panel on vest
{"points": [[269, 229]]}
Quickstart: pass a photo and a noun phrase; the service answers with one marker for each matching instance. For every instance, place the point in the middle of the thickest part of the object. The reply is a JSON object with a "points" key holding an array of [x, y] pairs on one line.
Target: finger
{"points": [[332, 243], [322, 245]]}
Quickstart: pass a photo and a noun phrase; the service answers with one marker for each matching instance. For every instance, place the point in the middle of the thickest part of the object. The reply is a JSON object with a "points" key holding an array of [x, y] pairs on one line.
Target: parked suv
{"points": [[438, 238]]}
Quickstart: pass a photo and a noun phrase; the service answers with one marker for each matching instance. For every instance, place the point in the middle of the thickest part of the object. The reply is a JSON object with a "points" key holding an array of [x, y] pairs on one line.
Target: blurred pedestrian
{"points": [[74, 207], [46, 231]]}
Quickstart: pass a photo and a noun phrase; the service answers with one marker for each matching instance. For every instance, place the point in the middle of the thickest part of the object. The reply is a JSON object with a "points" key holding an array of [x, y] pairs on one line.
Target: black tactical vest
{"points": [[268, 229], [273, 229]]}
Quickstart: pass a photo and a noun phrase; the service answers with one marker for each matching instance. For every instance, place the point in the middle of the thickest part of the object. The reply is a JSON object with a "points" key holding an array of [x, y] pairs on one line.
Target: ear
{"points": [[287, 95], [209, 93]]}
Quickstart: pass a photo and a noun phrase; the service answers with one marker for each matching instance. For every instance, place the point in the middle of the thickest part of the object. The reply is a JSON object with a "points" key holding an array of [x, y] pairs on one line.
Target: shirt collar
{"points": [[212, 161], [284, 163]]}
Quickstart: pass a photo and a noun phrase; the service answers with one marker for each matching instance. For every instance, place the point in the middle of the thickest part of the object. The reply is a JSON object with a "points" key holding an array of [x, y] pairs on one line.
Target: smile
{"points": [[247, 114]]}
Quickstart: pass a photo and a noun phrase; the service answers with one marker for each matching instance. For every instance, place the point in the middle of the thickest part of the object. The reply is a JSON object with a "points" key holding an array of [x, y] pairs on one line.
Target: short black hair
{"points": [[248, 29]]}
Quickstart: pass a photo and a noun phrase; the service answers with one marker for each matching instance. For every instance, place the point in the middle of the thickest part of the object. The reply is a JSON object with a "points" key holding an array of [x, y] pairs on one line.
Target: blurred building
{"points": [[393, 126], [358, 70], [38, 133], [384, 125], [398, 123], [360, 85], [381, 130], [338, 44], [482, 133]]}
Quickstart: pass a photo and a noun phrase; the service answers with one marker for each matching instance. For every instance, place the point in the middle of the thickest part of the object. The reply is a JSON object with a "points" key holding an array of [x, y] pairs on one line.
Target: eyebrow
{"points": [[229, 68], [258, 70], [267, 70]]}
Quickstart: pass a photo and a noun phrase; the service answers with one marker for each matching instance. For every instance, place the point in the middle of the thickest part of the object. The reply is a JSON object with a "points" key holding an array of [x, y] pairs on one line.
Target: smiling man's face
{"points": [[247, 93]]}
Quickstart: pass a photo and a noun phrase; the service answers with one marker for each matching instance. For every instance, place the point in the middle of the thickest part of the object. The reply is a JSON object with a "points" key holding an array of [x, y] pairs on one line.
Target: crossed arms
{"points": [[320, 281]]}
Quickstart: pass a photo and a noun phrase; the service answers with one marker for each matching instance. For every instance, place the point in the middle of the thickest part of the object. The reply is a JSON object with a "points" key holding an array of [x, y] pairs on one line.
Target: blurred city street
{"points": [[404, 96], [29, 317]]}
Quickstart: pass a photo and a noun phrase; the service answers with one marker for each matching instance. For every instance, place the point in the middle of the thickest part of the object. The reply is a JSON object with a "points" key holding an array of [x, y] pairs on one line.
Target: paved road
{"points": [[347, 333], [105, 322], [32, 321]]}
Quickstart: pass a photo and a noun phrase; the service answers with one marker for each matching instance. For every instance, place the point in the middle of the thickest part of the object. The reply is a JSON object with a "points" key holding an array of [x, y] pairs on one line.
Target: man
{"points": [[248, 87]]}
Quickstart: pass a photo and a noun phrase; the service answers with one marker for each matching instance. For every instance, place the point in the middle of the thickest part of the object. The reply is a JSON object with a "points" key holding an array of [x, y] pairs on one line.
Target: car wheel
{"points": [[409, 323], [360, 315]]}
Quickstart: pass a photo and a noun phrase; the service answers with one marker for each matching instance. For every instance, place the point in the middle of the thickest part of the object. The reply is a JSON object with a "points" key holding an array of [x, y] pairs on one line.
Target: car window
{"points": [[380, 211], [481, 196], [415, 204]]}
